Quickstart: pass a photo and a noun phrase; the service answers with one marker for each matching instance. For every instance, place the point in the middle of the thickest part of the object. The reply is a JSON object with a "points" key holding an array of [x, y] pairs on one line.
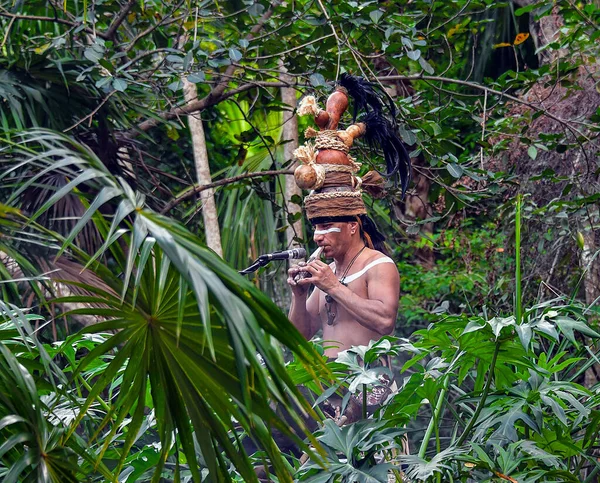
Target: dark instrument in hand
{"points": [[315, 255]]}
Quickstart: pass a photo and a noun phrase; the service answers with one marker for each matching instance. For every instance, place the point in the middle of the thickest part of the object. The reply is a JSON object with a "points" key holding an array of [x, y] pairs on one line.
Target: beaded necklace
{"points": [[329, 301]]}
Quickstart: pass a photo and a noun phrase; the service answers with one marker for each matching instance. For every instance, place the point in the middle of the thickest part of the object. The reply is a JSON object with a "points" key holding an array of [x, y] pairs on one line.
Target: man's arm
{"points": [[376, 312], [304, 310]]}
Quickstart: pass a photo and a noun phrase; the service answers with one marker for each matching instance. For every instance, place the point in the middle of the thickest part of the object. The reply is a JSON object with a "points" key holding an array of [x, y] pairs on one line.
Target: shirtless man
{"points": [[355, 298]]}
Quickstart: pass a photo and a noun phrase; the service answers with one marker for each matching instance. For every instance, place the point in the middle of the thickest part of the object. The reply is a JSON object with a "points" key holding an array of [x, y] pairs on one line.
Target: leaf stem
{"points": [[434, 419], [518, 295], [484, 396], [192, 191]]}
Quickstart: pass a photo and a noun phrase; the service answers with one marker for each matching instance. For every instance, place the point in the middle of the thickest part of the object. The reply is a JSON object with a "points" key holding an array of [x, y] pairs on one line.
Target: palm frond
{"points": [[190, 329], [420, 469]]}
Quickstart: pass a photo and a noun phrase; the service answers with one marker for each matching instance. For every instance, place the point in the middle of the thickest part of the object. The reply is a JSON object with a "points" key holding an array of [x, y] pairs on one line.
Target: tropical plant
{"points": [[493, 98], [34, 447], [481, 398], [192, 339]]}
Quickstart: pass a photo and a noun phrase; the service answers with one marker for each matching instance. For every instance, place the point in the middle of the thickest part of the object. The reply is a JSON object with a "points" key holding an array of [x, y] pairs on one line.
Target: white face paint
{"points": [[328, 230]]}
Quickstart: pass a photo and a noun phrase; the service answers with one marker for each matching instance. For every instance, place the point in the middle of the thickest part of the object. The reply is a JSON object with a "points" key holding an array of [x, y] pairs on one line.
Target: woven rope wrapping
{"points": [[357, 182], [353, 167], [327, 139], [334, 194], [339, 168], [356, 166], [337, 203], [331, 142]]}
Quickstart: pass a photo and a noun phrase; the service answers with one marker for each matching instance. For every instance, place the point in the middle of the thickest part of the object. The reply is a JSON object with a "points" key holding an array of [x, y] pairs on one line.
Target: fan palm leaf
{"points": [[188, 327]]}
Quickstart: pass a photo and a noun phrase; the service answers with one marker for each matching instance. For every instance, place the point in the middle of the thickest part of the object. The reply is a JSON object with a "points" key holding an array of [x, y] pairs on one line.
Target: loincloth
{"points": [[347, 408]]}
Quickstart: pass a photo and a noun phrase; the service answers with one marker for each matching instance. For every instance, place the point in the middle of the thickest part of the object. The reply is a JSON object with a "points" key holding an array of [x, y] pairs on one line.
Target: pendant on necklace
{"points": [[329, 300], [330, 314], [328, 308]]}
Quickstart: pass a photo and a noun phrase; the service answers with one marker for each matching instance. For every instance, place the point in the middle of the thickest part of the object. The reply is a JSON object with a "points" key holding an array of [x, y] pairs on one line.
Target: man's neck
{"points": [[342, 262]]}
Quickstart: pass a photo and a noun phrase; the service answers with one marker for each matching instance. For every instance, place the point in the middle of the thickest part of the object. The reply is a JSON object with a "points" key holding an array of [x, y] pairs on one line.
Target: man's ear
{"points": [[353, 227]]}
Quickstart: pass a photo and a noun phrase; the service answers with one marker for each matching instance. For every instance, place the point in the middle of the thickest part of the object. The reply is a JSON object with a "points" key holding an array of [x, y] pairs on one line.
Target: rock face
{"points": [[570, 169], [574, 105]]}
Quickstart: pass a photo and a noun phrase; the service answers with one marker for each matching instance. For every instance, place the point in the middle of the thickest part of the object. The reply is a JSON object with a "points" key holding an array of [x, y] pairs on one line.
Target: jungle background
{"points": [[146, 153]]}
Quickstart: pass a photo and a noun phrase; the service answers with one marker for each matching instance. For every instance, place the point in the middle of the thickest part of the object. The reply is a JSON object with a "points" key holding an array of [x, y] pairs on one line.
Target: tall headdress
{"points": [[329, 171]]}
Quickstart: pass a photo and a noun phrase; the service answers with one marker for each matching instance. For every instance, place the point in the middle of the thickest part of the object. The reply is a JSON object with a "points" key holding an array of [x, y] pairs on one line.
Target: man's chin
{"points": [[327, 252]]}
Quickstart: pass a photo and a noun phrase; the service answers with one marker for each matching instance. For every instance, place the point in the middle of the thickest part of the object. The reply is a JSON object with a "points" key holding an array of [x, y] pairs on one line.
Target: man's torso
{"points": [[345, 331]]}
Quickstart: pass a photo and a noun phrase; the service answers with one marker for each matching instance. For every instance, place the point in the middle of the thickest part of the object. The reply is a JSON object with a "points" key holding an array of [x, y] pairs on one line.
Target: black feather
{"points": [[382, 135], [367, 96]]}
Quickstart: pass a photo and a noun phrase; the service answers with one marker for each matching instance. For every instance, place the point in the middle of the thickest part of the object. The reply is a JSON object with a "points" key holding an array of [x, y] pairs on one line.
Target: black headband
{"points": [[320, 220]]}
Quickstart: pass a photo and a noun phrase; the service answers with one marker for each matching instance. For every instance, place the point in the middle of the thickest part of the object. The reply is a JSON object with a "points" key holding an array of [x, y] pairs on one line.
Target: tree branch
{"points": [[166, 20], [259, 134], [217, 94], [145, 54], [200, 104], [91, 114], [112, 29], [474, 85], [337, 39], [279, 54], [61, 21], [197, 189]]}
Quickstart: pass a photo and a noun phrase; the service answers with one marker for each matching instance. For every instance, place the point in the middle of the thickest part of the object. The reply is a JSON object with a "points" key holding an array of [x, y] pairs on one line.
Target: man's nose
{"points": [[318, 238]]}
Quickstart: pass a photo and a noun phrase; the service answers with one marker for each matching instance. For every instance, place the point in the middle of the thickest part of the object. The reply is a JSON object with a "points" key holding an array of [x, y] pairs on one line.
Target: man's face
{"points": [[334, 237]]}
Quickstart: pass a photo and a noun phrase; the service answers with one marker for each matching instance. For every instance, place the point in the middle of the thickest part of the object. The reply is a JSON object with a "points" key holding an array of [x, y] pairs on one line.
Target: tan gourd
{"points": [[322, 119], [305, 176], [351, 133]]}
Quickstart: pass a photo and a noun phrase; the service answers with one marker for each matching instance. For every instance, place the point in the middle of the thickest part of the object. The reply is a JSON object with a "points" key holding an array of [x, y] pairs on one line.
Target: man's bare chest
{"points": [[331, 312]]}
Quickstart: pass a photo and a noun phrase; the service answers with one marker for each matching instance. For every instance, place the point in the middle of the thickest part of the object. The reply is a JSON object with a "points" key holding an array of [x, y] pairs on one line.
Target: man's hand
{"points": [[300, 288], [322, 276]]}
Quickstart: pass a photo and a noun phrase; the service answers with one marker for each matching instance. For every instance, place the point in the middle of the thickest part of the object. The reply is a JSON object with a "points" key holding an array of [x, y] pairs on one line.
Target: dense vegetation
{"points": [[130, 351]]}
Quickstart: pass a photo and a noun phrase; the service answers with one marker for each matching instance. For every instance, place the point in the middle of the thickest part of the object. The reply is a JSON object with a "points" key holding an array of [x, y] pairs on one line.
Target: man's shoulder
{"points": [[372, 265], [379, 264], [374, 255]]}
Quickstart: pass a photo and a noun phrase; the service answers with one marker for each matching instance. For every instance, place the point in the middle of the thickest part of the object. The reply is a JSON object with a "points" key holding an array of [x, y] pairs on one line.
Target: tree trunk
{"points": [[209, 208], [290, 134], [589, 263], [417, 208], [544, 31]]}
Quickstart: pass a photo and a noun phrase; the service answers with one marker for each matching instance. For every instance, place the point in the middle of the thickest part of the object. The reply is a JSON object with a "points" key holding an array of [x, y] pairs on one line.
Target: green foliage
{"points": [[470, 263], [507, 387], [34, 447], [190, 332], [507, 391], [183, 356]]}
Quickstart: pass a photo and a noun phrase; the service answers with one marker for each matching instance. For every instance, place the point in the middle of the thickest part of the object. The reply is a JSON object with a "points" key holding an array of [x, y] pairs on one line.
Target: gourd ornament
{"points": [[327, 161]]}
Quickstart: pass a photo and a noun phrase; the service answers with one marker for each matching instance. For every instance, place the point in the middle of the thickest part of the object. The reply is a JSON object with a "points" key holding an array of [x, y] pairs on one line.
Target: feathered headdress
{"points": [[329, 170]]}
